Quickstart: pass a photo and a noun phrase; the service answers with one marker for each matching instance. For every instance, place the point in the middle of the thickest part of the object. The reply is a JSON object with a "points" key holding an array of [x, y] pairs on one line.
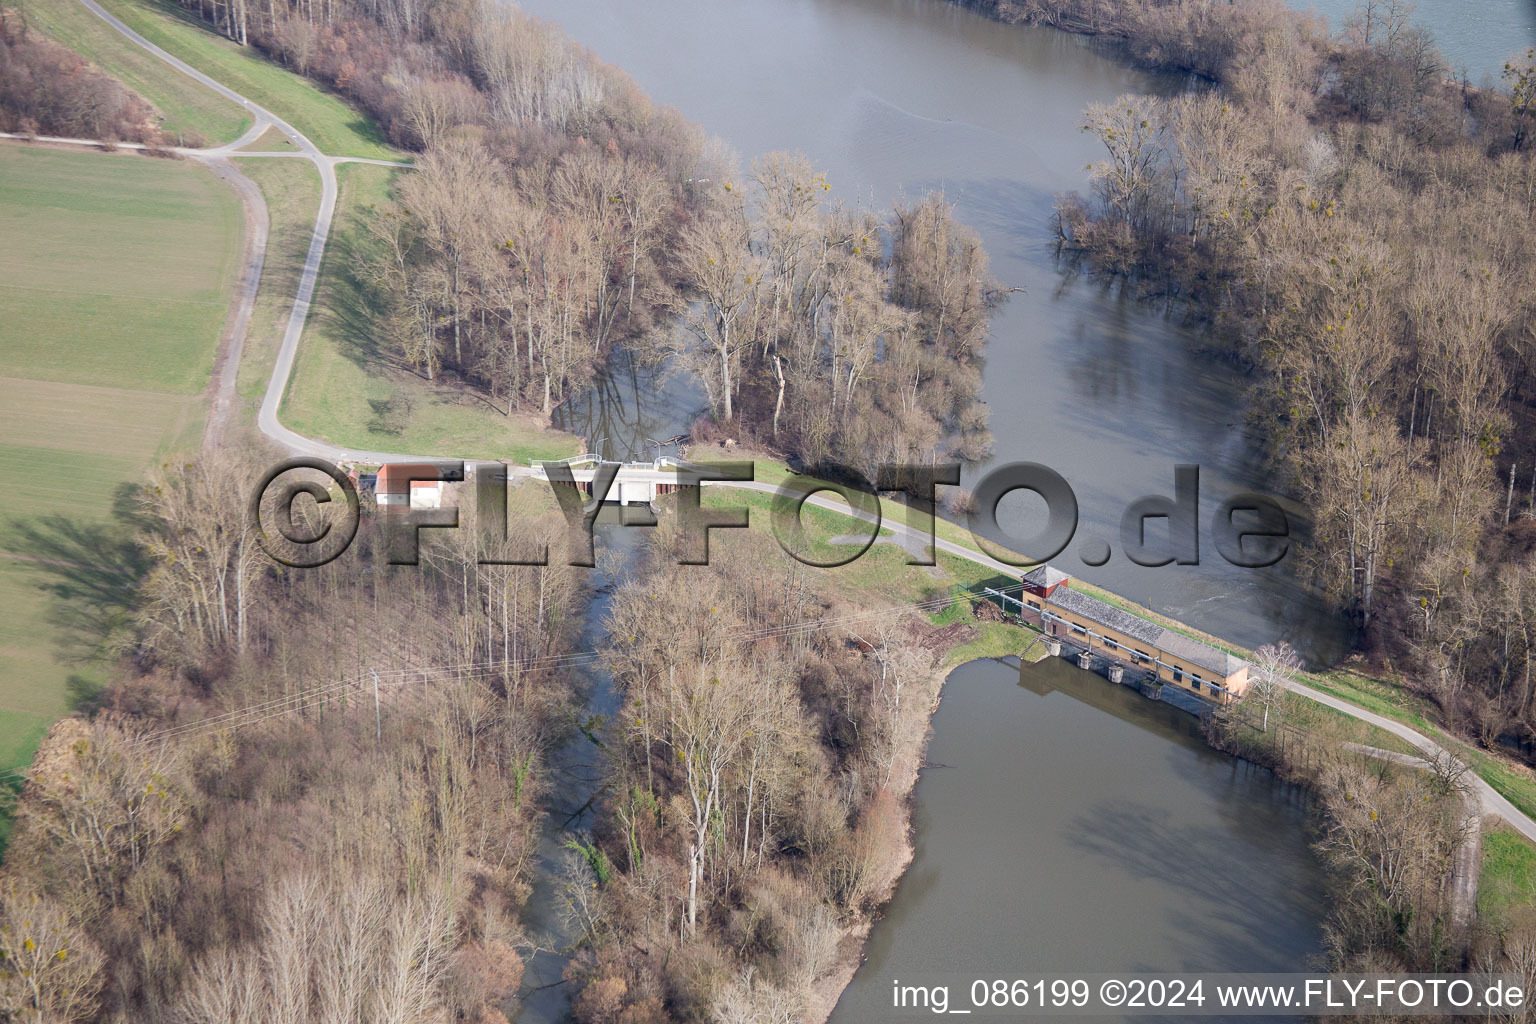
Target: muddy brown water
{"points": [[894, 98], [1075, 825]]}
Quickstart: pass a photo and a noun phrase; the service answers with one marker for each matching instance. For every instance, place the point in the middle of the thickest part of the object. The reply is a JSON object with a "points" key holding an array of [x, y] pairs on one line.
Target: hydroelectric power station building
{"points": [[1049, 602]]}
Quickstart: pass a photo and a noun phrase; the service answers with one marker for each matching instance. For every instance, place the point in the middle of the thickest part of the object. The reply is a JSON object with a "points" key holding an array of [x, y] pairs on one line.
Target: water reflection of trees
{"points": [[631, 407]]}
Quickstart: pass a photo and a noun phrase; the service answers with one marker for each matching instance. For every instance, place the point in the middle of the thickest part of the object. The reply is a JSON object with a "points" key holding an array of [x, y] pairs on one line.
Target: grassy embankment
{"points": [[342, 379], [348, 389], [114, 285], [1327, 726], [1508, 876], [343, 383], [330, 123], [1507, 882], [291, 189], [882, 574], [183, 105], [273, 140], [1508, 872]]}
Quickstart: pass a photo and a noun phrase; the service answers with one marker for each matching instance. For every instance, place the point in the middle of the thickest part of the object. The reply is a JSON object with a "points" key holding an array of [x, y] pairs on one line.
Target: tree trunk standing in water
{"points": [[716, 255], [724, 325], [778, 405]]}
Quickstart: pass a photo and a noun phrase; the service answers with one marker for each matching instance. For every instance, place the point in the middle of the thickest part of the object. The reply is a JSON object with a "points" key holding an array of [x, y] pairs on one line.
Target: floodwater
{"points": [[1068, 825], [1475, 36], [895, 97]]}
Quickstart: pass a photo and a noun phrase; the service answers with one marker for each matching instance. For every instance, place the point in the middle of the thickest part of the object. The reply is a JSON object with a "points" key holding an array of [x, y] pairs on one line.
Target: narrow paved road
{"points": [[267, 418], [1492, 801], [1467, 862], [271, 426]]}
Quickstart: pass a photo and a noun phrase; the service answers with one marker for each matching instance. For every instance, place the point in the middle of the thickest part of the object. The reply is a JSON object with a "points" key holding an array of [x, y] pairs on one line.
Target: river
{"points": [[1066, 824], [1476, 36], [576, 780], [1075, 825], [895, 98]]}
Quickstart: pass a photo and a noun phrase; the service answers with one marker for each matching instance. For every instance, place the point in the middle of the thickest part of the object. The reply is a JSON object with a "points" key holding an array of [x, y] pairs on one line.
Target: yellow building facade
{"points": [[1175, 659]]}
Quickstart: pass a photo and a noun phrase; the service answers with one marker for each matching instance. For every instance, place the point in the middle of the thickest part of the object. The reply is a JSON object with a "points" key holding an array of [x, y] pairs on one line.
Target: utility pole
{"points": [[378, 721]]}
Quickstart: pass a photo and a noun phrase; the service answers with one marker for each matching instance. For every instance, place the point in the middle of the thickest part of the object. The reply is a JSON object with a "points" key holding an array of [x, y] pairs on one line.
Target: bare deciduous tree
{"points": [[50, 972]]}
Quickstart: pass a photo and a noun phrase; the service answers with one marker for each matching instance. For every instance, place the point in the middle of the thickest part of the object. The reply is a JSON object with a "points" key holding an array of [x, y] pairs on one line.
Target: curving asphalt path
{"points": [[1492, 801], [267, 418], [269, 424]]}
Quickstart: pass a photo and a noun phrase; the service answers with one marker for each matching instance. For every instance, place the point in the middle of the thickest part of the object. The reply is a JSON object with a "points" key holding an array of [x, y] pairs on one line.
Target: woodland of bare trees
{"points": [[244, 831], [313, 795], [830, 333], [1394, 833], [818, 331], [1359, 229], [49, 90], [539, 226], [754, 812], [426, 69], [520, 271], [310, 796], [557, 212]]}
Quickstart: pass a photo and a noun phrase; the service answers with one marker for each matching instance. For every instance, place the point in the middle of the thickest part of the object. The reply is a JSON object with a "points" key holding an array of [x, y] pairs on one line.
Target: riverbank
{"points": [[1320, 746], [854, 942], [971, 629], [1305, 226]]}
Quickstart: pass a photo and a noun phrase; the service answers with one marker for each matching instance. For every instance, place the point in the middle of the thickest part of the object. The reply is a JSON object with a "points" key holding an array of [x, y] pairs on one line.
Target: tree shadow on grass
{"points": [[353, 309], [178, 13], [351, 303], [91, 572], [353, 306], [390, 415], [363, 127], [10, 795], [13, 778]]}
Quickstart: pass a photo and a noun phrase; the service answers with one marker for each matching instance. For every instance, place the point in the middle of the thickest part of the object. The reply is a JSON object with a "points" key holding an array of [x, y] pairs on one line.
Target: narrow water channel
{"points": [[576, 779]]}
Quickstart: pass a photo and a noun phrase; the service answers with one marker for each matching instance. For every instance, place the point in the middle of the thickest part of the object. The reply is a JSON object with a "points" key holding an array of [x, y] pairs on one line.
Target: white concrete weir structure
{"points": [[634, 483]]}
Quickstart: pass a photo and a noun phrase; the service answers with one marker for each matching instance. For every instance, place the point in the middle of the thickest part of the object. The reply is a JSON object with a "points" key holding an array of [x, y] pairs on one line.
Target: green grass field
{"points": [[1507, 880], [184, 105], [342, 378], [103, 379], [330, 123], [273, 140], [116, 270]]}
